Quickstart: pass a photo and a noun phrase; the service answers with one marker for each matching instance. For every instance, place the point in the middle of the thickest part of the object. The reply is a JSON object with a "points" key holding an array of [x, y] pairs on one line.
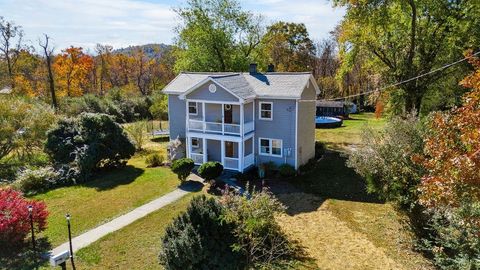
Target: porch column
{"points": [[204, 144], [253, 114], [203, 116], [187, 115], [242, 120], [240, 154], [187, 146], [222, 147], [223, 119]]}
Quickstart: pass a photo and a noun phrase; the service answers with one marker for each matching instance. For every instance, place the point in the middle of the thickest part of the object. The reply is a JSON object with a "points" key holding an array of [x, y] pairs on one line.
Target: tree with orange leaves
{"points": [[72, 68], [453, 150]]}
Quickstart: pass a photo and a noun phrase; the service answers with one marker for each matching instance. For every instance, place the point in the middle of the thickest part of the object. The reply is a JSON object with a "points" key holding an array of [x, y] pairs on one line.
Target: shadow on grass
{"points": [[332, 179], [191, 186], [114, 178], [25, 258]]}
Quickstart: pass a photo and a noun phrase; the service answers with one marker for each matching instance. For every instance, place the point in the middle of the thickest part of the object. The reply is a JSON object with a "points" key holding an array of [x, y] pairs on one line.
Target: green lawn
{"points": [[104, 198], [133, 247], [347, 227], [351, 130]]}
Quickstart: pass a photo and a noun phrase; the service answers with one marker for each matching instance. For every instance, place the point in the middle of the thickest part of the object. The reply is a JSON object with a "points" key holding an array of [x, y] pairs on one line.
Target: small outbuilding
{"points": [[331, 108]]}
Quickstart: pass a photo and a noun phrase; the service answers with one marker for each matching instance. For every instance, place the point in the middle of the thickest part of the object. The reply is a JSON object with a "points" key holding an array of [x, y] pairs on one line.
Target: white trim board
{"points": [[209, 79]]}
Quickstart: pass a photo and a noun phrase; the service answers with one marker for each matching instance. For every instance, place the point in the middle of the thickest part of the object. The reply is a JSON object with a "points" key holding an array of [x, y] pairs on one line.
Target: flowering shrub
{"points": [[14, 217]]}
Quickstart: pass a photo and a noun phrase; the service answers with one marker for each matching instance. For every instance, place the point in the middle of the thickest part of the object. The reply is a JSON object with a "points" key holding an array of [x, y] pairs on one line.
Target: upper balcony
{"points": [[220, 118]]}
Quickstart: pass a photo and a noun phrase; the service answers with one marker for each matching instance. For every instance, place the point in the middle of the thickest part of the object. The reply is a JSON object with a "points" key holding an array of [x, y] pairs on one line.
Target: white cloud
{"points": [[130, 22], [87, 22], [319, 16]]}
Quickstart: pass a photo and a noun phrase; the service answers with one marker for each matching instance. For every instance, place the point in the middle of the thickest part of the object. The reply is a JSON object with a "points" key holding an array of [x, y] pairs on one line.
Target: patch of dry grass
{"points": [[349, 235]]}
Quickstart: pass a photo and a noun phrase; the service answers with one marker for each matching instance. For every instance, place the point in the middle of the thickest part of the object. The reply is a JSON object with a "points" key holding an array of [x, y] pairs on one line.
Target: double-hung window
{"points": [[270, 147], [266, 110], [192, 108]]}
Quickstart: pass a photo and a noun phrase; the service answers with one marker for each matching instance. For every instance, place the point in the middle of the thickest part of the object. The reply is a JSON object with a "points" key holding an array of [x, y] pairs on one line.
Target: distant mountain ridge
{"points": [[153, 50]]}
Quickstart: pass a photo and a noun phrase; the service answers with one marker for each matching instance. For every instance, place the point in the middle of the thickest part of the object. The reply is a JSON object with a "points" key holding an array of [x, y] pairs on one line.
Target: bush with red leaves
{"points": [[14, 217]]}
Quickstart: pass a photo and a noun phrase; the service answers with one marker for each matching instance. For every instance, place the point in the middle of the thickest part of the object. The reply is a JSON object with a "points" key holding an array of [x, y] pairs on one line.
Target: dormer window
{"points": [[192, 108], [266, 111]]}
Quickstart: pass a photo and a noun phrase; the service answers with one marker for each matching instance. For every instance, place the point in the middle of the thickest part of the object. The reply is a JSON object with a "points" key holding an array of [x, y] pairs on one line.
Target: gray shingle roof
{"points": [[245, 85]]}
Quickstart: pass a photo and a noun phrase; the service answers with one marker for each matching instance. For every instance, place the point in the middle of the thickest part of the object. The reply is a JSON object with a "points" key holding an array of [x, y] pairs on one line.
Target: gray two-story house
{"points": [[244, 119]]}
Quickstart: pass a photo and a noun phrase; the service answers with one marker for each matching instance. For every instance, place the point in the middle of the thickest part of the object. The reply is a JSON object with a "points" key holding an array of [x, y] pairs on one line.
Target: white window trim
{"points": [[260, 110], [271, 147], [195, 145], [196, 107]]}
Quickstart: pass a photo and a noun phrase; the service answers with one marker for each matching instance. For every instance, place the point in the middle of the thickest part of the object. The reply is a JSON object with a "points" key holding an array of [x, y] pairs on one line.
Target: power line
{"points": [[407, 80]]}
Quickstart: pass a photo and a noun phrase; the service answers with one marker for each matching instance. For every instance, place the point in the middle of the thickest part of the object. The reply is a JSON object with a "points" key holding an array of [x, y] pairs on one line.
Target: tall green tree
{"points": [[216, 35], [406, 38], [288, 46]]}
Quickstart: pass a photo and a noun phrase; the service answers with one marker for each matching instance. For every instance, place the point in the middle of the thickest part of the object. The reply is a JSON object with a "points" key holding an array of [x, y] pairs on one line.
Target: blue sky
{"points": [[131, 22]]}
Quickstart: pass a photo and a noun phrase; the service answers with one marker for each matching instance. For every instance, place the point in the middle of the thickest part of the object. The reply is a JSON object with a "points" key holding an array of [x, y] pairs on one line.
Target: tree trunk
{"points": [[48, 59]]}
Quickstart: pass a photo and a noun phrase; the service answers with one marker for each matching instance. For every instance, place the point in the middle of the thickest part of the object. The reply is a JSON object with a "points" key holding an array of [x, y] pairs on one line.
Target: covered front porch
{"points": [[233, 152]]}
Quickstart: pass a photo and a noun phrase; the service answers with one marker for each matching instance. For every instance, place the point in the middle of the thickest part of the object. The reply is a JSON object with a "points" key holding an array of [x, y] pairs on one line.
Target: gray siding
{"points": [[213, 112], [309, 92], [248, 114], [306, 131], [177, 117], [214, 150], [220, 95], [281, 127], [248, 147]]}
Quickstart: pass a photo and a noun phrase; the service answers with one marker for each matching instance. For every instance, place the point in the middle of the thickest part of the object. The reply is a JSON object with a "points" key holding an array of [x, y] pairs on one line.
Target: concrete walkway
{"points": [[93, 235]]}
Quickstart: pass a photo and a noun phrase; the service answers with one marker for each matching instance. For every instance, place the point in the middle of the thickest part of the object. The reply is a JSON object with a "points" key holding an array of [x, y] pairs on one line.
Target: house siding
{"points": [[281, 127], [177, 117], [221, 94], [306, 125], [214, 150]]}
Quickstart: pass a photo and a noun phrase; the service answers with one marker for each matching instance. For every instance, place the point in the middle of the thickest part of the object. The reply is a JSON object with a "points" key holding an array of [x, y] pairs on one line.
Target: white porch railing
{"points": [[231, 163], [197, 158], [231, 128], [195, 125], [248, 160], [214, 127]]}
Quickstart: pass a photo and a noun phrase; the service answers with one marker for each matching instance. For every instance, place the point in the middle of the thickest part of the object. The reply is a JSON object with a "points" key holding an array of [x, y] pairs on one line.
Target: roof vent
{"points": [[271, 68], [253, 69]]}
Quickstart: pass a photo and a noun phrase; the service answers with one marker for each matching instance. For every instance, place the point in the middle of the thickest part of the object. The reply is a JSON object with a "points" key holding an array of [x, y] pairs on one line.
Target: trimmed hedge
{"points": [[210, 170], [182, 167]]}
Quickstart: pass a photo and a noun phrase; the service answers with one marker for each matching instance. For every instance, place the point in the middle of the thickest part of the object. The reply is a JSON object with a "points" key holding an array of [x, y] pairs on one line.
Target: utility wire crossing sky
{"points": [[121, 23]]}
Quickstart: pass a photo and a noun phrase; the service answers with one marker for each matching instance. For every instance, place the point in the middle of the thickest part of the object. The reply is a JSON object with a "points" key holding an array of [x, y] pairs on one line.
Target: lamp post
{"points": [[67, 216], [30, 214]]}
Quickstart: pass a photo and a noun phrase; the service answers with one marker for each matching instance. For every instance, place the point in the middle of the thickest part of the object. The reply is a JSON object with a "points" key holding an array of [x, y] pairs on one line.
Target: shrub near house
{"points": [[210, 170], [182, 167], [89, 142]]}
